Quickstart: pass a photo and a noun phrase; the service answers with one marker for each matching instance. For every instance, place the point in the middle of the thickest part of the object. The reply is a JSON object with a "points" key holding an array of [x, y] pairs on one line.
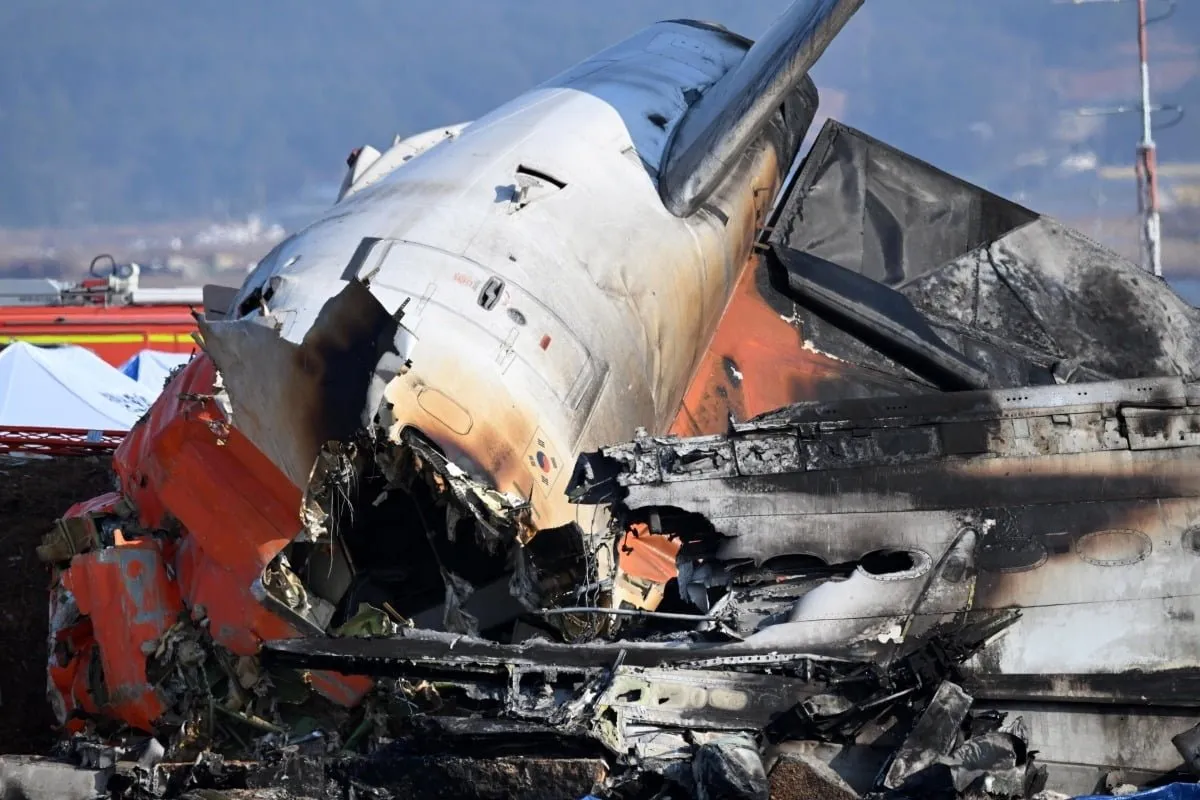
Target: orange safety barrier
{"points": [[59, 441]]}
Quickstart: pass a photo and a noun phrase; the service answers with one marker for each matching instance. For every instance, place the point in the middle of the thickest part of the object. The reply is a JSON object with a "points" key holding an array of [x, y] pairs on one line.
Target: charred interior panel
{"points": [[859, 529], [1018, 493], [880, 212], [1017, 296], [876, 315], [1051, 291]]}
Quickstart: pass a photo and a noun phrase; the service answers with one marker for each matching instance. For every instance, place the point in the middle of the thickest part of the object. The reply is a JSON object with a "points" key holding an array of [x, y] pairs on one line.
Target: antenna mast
{"points": [[1147, 162], [1147, 152]]}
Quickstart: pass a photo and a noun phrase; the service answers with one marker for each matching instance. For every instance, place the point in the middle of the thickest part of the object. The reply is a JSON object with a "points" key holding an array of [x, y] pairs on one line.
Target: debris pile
{"points": [[859, 597], [922, 521], [864, 595]]}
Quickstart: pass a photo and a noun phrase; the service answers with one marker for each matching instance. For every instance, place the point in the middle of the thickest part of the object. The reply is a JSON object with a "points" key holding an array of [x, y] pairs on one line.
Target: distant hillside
{"points": [[116, 111]]}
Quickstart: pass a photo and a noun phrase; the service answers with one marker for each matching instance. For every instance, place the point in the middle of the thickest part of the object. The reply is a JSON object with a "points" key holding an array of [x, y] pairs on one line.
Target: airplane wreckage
{"points": [[911, 507]]}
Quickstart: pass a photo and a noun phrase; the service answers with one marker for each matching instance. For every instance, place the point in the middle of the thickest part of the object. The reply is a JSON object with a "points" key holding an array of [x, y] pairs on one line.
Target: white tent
{"points": [[150, 368], [67, 387]]}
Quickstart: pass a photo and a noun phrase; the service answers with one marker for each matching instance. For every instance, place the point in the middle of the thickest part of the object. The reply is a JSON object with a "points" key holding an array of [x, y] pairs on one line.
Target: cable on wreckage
{"points": [[590, 592], [627, 612], [340, 499]]}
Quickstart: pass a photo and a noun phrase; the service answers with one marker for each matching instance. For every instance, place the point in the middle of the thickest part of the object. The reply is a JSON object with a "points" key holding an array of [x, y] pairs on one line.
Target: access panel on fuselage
{"points": [[450, 297]]}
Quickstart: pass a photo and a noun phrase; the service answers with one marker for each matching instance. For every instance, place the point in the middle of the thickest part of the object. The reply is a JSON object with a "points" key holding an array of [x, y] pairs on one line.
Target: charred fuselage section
{"points": [[1006, 499], [856, 529], [984, 545]]}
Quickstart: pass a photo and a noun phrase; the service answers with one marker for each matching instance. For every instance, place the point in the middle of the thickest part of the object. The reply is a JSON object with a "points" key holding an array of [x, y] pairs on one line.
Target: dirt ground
{"points": [[33, 493]]}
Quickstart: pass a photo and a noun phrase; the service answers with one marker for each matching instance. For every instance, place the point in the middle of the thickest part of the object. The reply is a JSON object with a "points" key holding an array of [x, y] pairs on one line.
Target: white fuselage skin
{"points": [[607, 301]]}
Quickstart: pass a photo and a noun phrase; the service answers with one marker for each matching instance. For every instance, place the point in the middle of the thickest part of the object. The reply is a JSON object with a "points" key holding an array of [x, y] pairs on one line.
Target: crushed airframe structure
{"points": [[912, 508]]}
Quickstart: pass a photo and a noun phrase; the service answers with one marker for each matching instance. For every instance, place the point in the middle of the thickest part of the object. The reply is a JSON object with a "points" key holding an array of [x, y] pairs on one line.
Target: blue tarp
{"points": [[67, 387], [1174, 791], [150, 368]]}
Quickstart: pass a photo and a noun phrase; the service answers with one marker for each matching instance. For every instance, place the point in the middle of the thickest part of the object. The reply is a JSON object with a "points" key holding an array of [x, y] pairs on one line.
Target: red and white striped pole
{"points": [[1147, 161], [1147, 154]]}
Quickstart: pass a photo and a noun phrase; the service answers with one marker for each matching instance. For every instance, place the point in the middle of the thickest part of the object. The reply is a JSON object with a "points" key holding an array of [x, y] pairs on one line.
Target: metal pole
{"points": [[1147, 158], [1146, 163]]}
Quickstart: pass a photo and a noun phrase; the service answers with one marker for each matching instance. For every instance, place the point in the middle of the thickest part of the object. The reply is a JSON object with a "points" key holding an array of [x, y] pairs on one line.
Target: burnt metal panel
{"points": [[1047, 288], [1156, 428], [881, 212], [764, 453], [1027, 401], [705, 457], [702, 699], [1020, 296], [876, 314]]}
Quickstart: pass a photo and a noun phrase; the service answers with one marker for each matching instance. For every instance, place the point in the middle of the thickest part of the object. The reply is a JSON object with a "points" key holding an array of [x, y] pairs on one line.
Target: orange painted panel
{"points": [[756, 362]]}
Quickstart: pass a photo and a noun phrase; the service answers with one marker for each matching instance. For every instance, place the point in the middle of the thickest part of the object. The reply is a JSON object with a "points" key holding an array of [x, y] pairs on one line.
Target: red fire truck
{"points": [[108, 313]]}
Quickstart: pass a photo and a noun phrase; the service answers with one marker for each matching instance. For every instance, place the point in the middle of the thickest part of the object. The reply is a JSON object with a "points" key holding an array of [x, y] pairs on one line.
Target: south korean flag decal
{"points": [[543, 461]]}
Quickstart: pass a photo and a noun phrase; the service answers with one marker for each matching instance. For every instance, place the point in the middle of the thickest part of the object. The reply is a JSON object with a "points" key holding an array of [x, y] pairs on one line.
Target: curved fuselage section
{"points": [[551, 304]]}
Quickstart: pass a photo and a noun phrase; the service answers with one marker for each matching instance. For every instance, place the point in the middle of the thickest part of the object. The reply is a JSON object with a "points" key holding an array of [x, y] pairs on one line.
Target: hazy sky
{"points": [[123, 110]]}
